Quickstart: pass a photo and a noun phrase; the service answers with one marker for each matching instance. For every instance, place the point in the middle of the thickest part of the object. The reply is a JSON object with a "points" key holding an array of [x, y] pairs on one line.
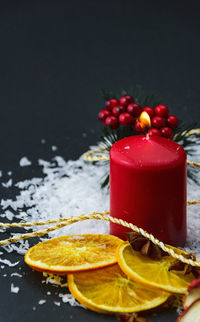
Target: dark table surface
{"points": [[54, 58]]}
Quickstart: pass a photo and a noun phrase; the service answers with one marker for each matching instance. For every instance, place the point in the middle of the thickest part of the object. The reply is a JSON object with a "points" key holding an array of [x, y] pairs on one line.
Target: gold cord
{"points": [[193, 164], [89, 155], [98, 216]]}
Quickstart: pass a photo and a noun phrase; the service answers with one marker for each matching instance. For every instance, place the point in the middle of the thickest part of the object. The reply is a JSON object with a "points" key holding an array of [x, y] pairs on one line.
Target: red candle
{"points": [[148, 187]]}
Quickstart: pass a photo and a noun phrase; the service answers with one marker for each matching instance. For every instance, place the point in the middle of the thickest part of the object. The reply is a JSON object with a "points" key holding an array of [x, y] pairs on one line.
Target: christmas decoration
{"points": [[144, 249]]}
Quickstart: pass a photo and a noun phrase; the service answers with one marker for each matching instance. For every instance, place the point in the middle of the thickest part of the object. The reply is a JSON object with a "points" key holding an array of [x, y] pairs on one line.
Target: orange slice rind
{"points": [[73, 253], [152, 273], [109, 290]]}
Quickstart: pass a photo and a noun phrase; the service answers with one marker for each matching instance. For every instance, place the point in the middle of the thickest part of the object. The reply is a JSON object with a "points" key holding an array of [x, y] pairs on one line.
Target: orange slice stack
{"points": [[106, 275]]}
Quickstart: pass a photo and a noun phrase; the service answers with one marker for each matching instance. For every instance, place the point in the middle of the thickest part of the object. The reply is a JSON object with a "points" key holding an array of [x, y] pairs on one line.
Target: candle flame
{"points": [[144, 119]]}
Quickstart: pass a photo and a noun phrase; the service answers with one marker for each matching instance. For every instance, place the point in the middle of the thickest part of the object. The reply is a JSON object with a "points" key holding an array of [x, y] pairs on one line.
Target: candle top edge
{"points": [[143, 152]]}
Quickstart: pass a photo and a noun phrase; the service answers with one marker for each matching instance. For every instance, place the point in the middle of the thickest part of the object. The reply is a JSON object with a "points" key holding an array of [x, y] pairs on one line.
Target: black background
{"points": [[55, 56]]}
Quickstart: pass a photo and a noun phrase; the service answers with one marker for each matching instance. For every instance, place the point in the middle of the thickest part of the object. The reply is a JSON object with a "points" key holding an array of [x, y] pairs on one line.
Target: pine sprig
{"points": [[138, 93], [110, 136]]}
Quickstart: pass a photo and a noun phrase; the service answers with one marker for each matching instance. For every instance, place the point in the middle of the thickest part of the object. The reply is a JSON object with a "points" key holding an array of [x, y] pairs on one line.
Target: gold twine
{"points": [[61, 222], [89, 155]]}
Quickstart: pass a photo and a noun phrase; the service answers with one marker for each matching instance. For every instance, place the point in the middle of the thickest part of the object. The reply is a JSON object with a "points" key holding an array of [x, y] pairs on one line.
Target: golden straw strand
{"points": [[88, 156], [193, 202], [37, 223], [193, 164], [103, 216], [192, 132]]}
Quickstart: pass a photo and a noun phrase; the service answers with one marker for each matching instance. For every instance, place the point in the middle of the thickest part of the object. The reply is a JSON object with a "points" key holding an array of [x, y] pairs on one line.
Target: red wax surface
{"points": [[148, 187]]}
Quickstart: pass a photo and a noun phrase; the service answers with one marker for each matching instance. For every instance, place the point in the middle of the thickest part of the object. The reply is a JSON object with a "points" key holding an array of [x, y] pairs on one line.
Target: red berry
{"points": [[167, 132], [154, 132], [125, 100], [172, 121], [103, 114], [158, 122], [116, 111], [126, 119], [112, 102], [139, 127], [134, 109], [162, 110], [149, 110], [111, 121]]}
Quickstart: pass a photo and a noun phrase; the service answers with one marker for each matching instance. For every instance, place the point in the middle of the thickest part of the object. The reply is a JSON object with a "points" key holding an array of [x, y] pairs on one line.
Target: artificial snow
{"points": [[14, 289], [8, 214], [68, 298], [40, 302], [7, 262], [24, 162], [54, 148], [7, 184], [57, 303], [16, 274]]}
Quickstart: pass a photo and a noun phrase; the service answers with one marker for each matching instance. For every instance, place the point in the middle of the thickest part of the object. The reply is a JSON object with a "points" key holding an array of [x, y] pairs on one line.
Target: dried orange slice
{"points": [[109, 290], [152, 273], [73, 253]]}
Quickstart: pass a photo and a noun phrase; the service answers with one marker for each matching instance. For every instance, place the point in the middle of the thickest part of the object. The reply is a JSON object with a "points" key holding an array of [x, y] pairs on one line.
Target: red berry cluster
{"points": [[126, 112], [162, 123]]}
